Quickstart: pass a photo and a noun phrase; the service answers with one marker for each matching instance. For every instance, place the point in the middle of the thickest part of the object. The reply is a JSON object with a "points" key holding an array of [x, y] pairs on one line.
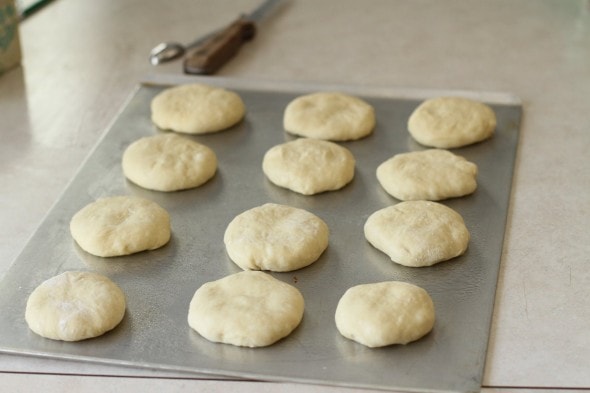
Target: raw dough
{"points": [[120, 225], [329, 116], [248, 309], [309, 166], [448, 122], [196, 109], [168, 162], [427, 175], [75, 306], [417, 233], [385, 313], [275, 237]]}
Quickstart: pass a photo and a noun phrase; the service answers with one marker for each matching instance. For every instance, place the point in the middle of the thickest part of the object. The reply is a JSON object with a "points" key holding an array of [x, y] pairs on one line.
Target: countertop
{"points": [[81, 60]]}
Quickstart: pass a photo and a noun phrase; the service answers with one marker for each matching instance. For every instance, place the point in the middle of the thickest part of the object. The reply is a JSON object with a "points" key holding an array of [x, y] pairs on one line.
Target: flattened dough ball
{"points": [[120, 225], [430, 175], [385, 313], [248, 309], [309, 166], [329, 116], [168, 162], [275, 237], [75, 306], [196, 109], [417, 233], [449, 122]]}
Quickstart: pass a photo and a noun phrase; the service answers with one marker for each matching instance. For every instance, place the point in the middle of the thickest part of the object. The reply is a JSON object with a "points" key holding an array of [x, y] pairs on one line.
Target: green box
{"points": [[10, 54]]}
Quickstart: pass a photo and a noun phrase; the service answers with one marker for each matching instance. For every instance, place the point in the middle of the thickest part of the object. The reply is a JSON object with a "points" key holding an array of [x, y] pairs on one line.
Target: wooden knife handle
{"points": [[216, 51]]}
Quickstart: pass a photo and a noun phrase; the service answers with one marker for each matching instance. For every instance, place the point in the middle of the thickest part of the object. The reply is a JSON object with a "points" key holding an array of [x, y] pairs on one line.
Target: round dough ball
{"points": [[448, 122], [168, 162], [385, 313], [248, 309], [75, 306], [417, 233], [120, 225], [329, 116], [196, 109], [309, 166], [275, 237], [427, 175]]}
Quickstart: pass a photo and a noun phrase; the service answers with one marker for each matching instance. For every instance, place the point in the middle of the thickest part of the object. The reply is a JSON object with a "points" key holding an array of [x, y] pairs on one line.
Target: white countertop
{"points": [[81, 59]]}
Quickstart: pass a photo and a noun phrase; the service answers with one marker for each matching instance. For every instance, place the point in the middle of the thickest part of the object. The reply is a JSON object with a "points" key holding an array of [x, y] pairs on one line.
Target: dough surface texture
{"points": [[74, 306], [275, 237], [196, 109], [120, 225], [450, 122], [385, 313], [427, 175], [309, 166], [329, 116], [417, 233], [168, 162], [248, 309]]}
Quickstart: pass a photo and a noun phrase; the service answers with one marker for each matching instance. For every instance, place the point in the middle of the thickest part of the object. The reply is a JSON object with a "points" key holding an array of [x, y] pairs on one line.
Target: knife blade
{"points": [[215, 51]]}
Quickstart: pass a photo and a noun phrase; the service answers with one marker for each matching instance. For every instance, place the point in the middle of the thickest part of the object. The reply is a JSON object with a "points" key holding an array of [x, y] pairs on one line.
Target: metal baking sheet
{"points": [[159, 284]]}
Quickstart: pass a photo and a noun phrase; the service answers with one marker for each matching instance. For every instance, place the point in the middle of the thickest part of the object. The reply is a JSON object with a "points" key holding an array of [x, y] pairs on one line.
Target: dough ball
{"points": [[309, 166], [168, 162], [385, 313], [329, 116], [120, 225], [196, 109], [75, 306], [275, 237], [417, 233], [427, 175], [449, 122], [248, 309]]}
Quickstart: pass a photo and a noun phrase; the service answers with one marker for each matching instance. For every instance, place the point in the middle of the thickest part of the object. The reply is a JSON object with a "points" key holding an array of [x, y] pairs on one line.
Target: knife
{"points": [[218, 48]]}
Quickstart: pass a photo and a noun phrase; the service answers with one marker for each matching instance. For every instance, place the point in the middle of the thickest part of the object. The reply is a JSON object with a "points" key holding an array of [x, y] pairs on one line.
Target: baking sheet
{"points": [[159, 284]]}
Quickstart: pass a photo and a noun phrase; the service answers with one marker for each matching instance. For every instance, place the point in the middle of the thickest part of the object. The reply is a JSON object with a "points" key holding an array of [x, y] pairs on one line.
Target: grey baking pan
{"points": [[159, 284]]}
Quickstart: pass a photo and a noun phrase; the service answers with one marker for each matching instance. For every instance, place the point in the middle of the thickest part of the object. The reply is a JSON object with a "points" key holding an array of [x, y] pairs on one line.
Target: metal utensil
{"points": [[168, 51], [208, 53]]}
